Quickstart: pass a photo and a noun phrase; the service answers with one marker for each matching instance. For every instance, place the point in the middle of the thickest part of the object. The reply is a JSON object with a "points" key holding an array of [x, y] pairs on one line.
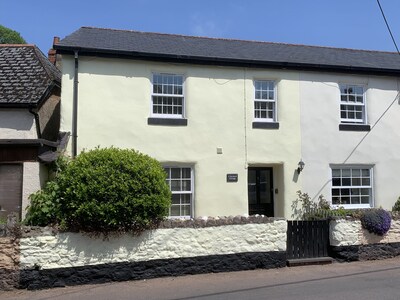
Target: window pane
{"points": [[186, 210], [345, 192], [336, 182], [176, 199], [186, 185], [346, 181], [345, 200], [366, 181], [346, 172], [175, 211], [185, 172], [185, 198], [365, 200], [358, 90], [175, 173], [365, 172], [176, 185]]}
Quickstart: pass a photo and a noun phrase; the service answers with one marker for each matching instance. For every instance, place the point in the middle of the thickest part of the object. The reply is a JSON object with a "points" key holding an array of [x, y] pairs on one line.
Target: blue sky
{"points": [[339, 23]]}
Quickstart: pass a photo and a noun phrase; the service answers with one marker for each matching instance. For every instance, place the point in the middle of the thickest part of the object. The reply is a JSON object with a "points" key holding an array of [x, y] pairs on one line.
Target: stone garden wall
{"points": [[350, 242], [34, 258], [49, 259]]}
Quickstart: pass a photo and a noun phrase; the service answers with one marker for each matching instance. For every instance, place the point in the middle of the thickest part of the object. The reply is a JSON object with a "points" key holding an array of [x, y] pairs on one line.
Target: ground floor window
{"points": [[180, 181], [352, 186]]}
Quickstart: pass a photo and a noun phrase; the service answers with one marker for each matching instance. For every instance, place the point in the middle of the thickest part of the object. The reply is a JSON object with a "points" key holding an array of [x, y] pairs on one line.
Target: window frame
{"points": [[354, 121], [371, 203], [153, 94], [191, 192], [274, 101]]}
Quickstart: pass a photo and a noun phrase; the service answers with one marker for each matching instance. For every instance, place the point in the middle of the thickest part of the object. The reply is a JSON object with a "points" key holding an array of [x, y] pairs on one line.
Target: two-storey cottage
{"points": [[233, 121]]}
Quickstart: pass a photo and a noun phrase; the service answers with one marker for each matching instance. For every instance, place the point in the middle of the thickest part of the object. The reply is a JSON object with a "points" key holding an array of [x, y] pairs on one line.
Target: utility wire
{"points": [[388, 27], [365, 136], [394, 100], [386, 110]]}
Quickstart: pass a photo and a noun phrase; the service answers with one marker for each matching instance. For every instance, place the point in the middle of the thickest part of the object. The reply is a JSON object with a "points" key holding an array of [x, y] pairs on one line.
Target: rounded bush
{"points": [[104, 190], [376, 221]]}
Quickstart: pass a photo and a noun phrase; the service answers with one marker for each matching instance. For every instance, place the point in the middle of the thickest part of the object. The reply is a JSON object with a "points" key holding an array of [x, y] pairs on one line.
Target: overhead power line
{"points": [[388, 27]]}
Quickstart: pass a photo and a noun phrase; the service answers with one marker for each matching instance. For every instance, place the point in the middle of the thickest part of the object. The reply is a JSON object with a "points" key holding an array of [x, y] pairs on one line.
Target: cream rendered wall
{"points": [[17, 124], [114, 104], [323, 144]]}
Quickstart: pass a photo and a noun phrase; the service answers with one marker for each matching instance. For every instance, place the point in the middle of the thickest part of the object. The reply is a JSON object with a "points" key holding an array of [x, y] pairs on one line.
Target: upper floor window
{"points": [[264, 101], [180, 181], [352, 186], [352, 104], [167, 97]]}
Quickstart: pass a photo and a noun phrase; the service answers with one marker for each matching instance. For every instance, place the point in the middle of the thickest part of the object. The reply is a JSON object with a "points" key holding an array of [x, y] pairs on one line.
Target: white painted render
{"points": [[73, 249], [324, 145], [114, 104], [350, 232], [34, 177], [17, 124]]}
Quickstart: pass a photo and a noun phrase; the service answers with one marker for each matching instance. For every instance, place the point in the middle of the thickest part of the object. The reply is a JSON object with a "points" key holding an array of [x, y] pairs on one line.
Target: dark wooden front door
{"points": [[260, 191], [10, 189]]}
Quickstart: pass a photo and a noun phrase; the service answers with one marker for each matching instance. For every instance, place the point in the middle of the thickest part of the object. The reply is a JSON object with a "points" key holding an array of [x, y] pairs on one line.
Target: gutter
{"points": [[37, 122], [75, 107], [32, 108]]}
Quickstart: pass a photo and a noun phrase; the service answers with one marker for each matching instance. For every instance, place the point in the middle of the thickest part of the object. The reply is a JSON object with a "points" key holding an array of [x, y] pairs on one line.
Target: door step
{"points": [[309, 261]]}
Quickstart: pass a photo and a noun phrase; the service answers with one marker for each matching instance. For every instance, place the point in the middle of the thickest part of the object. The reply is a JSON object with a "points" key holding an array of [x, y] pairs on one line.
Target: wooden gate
{"points": [[307, 239]]}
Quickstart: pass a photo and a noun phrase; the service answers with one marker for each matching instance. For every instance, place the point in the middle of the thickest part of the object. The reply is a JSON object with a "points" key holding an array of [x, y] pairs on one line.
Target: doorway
{"points": [[260, 191], [10, 189]]}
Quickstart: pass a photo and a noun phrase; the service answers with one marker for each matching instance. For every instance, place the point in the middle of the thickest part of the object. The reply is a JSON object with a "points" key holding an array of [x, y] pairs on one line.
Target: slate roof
{"points": [[147, 45], [25, 75]]}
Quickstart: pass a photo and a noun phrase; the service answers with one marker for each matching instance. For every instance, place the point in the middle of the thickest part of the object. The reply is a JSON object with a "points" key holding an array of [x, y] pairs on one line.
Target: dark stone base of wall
{"points": [[8, 279], [365, 252], [39, 279]]}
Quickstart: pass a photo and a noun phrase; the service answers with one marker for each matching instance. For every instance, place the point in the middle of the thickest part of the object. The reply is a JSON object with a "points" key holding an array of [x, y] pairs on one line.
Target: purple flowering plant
{"points": [[376, 221]]}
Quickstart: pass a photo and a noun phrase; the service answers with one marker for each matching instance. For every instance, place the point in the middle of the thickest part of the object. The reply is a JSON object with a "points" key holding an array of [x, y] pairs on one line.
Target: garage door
{"points": [[10, 189]]}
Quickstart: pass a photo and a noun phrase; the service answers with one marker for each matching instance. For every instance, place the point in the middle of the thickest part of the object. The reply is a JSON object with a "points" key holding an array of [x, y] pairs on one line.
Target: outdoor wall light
{"points": [[300, 166]]}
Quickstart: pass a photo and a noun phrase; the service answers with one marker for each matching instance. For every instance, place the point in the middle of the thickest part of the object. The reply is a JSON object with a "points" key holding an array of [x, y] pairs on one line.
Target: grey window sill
{"points": [[266, 125], [167, 121], [354, 127]]}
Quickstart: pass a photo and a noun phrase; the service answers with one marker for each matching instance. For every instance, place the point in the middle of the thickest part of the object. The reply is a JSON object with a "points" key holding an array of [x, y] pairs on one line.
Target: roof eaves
{"points": [[225, 61]]}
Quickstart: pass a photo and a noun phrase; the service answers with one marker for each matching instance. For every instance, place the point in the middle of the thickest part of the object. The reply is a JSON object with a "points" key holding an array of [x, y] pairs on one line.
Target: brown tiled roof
{"points": [[25, 75]]}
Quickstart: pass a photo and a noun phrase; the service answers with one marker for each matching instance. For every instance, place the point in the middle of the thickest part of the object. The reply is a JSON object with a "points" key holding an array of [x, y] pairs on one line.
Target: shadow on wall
{"points": [[107, 248], [16, 120]]}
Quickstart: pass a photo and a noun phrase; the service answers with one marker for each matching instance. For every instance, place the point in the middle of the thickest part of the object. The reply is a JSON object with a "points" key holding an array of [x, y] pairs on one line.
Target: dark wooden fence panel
{"points": [[307, 239]]}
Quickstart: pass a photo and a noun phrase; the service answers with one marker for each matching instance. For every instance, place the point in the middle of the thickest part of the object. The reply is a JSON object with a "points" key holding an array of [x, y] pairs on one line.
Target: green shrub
{"points": [[104, 190], [307, 209], [396, 207], [376, 220]]}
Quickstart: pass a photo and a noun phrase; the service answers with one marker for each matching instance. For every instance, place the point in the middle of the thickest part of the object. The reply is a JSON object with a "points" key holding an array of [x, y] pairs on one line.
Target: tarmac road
{"points": [[357, 280]]}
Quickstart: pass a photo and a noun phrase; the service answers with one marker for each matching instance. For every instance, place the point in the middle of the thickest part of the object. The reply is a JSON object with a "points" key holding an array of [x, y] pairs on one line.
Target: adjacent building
{"points": [[30, 88]]}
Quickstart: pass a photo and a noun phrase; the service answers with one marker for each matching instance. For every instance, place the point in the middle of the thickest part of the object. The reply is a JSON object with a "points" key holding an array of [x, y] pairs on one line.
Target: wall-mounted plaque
{"points": [[232, 177]]}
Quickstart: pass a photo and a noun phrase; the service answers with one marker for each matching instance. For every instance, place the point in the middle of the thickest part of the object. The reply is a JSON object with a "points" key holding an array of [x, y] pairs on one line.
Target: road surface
{"points": [[358, 280]]}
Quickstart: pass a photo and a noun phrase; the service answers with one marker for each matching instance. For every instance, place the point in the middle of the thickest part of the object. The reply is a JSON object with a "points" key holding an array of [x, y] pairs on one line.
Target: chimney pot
{"points": [[56, 40]]}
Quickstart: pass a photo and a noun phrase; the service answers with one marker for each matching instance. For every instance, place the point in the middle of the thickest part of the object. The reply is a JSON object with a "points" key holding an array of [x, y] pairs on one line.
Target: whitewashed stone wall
{"points": [[62, 250], [346, 232]]}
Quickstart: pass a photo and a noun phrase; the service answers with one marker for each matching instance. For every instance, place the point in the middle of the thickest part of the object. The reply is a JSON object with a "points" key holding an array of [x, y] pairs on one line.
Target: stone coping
{"points": [[201, 222]]}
